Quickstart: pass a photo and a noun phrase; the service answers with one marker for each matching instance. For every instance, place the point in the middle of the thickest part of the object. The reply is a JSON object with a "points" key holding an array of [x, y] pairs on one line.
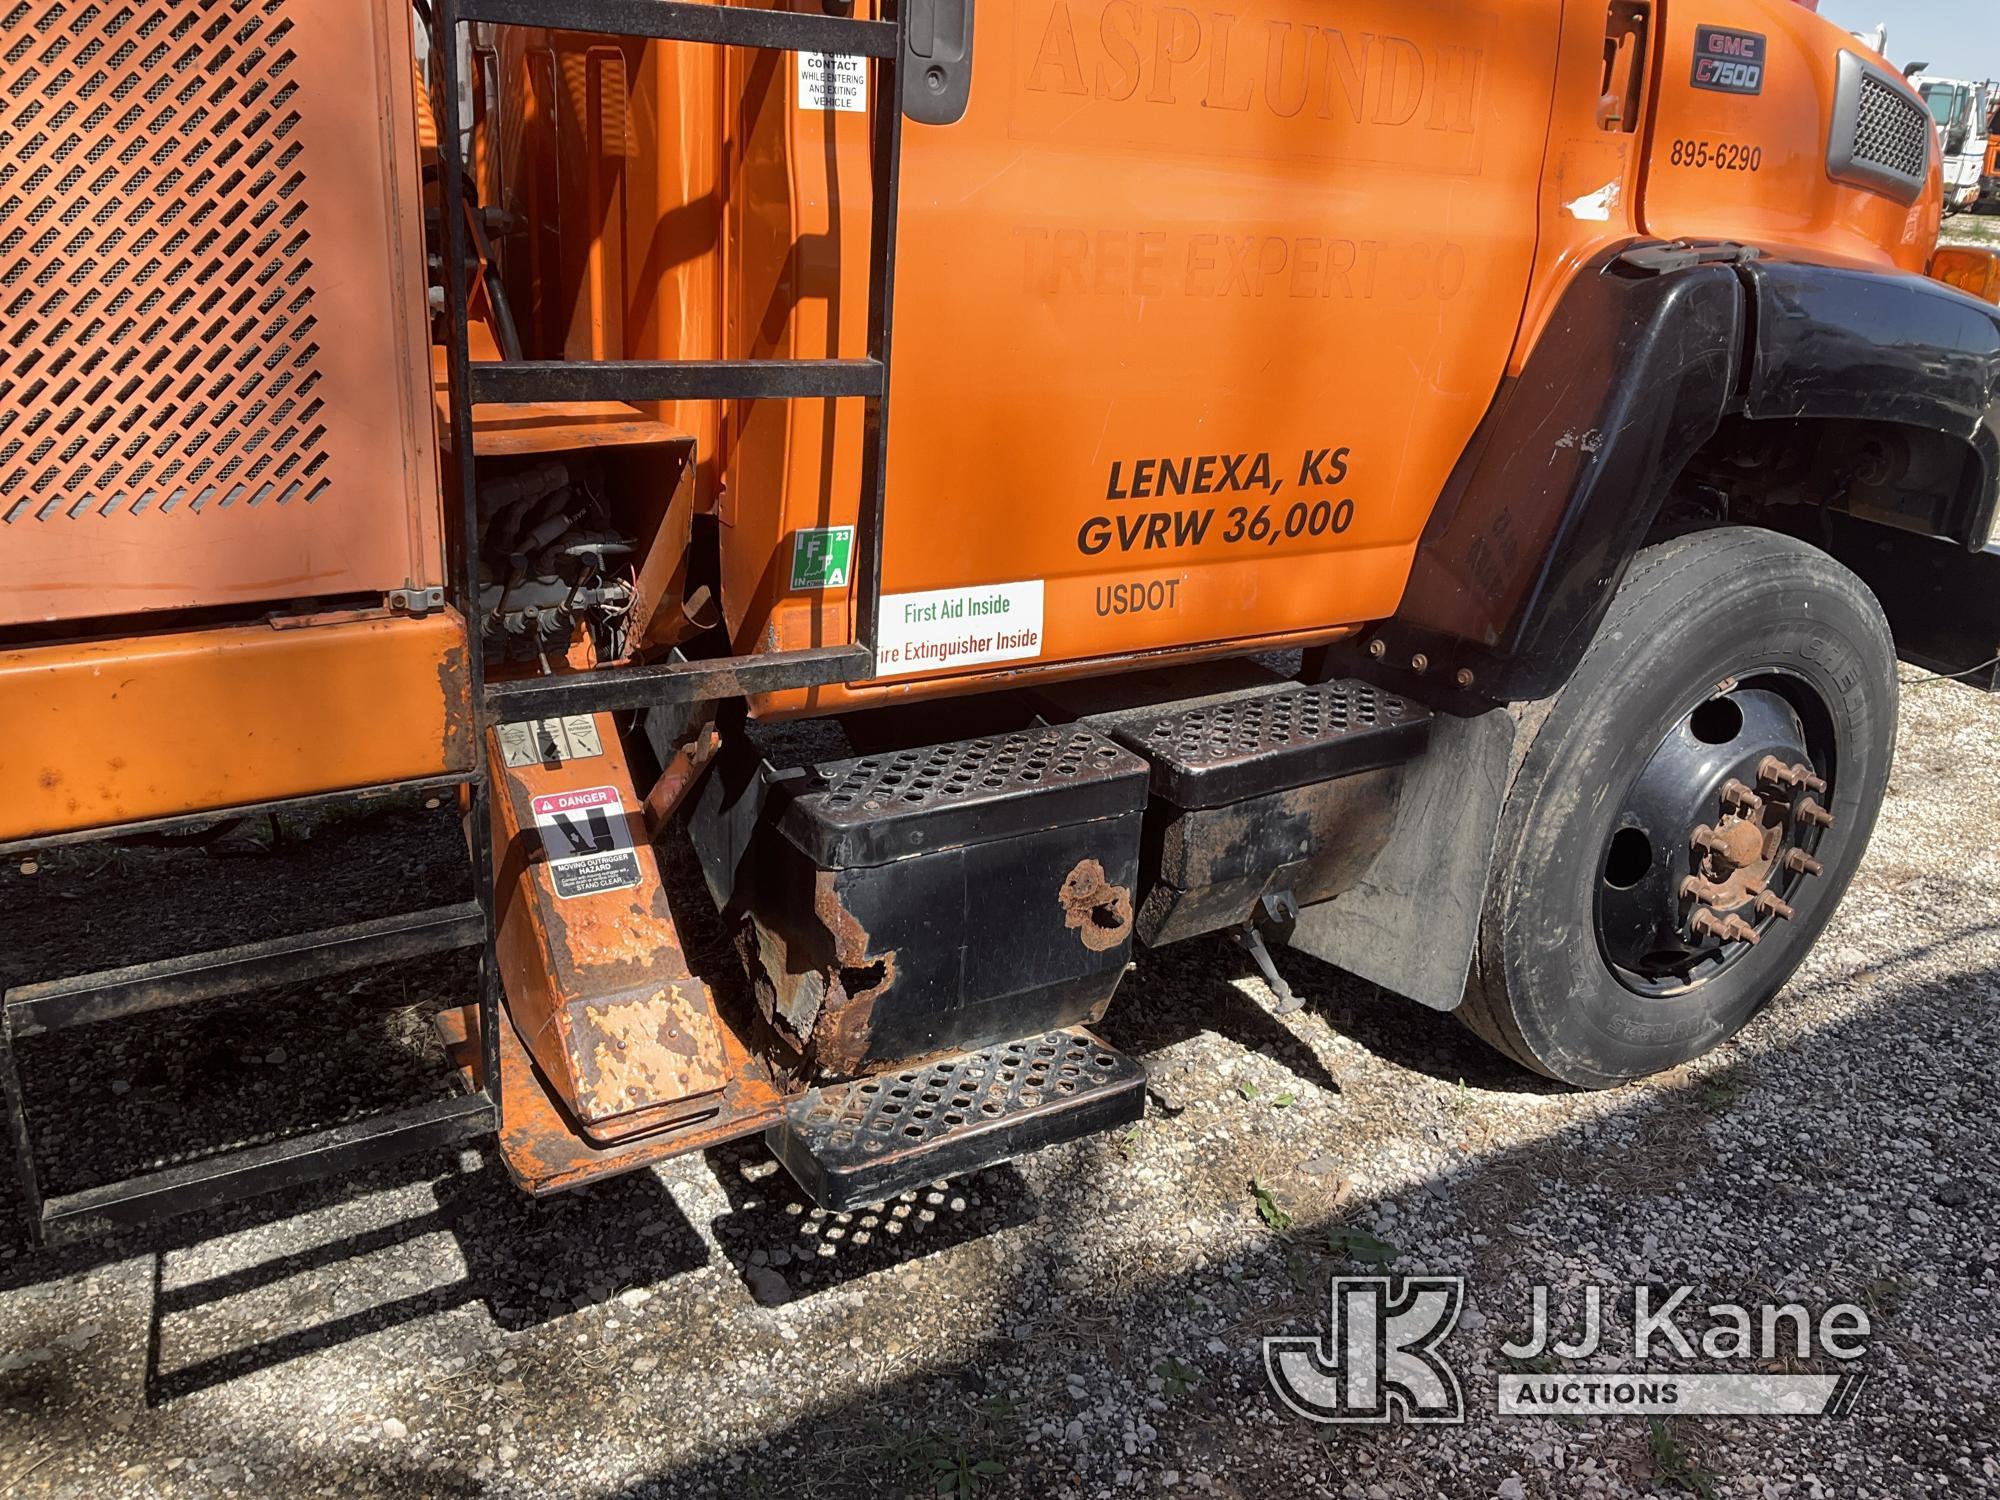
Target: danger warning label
{"points": [[588, 842]]}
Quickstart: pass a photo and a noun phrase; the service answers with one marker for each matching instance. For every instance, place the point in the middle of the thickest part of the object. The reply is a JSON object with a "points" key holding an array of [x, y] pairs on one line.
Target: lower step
{"points": [[861, 1143]]}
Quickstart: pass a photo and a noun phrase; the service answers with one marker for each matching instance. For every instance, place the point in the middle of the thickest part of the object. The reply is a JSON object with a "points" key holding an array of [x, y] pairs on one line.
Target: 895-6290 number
{"points": [[1717, 156]]}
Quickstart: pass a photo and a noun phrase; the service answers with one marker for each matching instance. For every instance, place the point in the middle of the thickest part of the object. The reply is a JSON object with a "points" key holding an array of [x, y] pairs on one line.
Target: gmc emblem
{"points": [[1728, 62]]}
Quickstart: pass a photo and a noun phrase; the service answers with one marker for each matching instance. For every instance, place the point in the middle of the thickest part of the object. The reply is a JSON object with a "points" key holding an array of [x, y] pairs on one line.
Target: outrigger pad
{"points": [[866, 1142]]}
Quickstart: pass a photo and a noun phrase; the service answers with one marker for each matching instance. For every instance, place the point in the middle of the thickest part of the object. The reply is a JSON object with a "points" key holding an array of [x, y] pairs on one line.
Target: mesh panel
{"points": [[998, 765], [158, 349], [1892, 131], [1262, 726], [914, 1109]]}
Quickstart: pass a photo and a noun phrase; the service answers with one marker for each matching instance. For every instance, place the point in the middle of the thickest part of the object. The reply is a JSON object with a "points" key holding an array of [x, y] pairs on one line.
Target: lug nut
{"points": [[1801, 863], [1694, 888], [1774, 772], [1707, 924], [1465, 677], [1738, 797], [1378, 649], [1812, 814], [1768, 905], [1420, 663]]}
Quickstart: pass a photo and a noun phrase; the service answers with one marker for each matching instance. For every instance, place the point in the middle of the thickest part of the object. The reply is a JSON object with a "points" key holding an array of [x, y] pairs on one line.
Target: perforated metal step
{"points": [[879, 807], [865, 1142], [1212, 753]]}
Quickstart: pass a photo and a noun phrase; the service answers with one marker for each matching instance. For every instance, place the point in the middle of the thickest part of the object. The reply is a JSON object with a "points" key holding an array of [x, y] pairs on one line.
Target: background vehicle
{"points": [[1371, 488], [1964, 113]]}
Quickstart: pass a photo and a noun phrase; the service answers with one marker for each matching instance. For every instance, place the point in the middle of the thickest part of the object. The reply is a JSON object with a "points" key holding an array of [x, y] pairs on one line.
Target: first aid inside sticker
{"points": [[945, 628], [588, 841], [829, 81]]}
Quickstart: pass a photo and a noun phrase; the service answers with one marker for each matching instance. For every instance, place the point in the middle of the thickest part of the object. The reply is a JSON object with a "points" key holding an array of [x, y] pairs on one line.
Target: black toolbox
{"points": [[899, 906]]}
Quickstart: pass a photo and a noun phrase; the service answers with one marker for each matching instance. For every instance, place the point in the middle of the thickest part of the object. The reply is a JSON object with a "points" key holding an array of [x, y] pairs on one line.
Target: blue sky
{"points": [[1960, 38]]}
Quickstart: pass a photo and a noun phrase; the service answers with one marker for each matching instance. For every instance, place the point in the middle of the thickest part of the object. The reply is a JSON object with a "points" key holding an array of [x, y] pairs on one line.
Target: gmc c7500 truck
{"points": [[1424, 483]]}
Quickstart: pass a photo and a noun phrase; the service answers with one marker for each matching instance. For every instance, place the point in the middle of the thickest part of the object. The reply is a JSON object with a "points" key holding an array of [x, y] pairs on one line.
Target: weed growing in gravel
{"points": [[1268, 1207], [1361, 1247], [1176, 1379], [1676, 1466], [962, 1476]]}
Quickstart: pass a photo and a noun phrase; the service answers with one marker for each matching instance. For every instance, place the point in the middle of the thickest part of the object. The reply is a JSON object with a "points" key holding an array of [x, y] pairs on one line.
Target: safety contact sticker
{"points": [[588, 842], [946, 628], [829, 81]]}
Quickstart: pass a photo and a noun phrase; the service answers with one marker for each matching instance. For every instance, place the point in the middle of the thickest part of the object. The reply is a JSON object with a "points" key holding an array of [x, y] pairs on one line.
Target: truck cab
{"points": [[984, 489], [1963, 112]]}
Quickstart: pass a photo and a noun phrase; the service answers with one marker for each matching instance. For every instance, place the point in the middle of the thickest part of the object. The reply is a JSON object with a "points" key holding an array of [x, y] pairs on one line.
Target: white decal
{"points": [[946, 628], [829, 81]]}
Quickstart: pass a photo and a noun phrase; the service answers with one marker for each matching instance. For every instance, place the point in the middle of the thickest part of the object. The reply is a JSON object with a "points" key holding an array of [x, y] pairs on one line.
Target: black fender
{"points": [[1646, 354], [1836, 342]]}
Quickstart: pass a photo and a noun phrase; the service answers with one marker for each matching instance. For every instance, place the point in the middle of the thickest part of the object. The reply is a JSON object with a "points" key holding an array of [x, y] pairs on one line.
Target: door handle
{"points": [[937, 60], [1628, 32]]}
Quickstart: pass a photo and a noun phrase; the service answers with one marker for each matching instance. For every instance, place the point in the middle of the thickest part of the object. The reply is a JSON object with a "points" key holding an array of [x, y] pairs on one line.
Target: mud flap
{"points": [[1409, 924]]}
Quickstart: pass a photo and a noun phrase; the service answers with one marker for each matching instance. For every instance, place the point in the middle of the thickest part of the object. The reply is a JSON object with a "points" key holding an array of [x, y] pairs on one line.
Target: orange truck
{"points": [[1423, 483]]}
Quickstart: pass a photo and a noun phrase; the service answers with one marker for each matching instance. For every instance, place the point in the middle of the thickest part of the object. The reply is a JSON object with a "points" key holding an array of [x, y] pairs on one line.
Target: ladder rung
{"points": [[514, 382], [676, 21], [615, 688], [244, 1173], [108, 994]]}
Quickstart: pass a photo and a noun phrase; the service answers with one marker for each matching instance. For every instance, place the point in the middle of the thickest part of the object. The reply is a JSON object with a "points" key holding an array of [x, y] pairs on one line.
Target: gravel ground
{"points": [[1083, 1322]]}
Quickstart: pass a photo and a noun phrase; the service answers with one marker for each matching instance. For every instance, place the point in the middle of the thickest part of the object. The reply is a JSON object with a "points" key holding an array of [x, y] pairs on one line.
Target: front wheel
{"points": [[1689, 810]]}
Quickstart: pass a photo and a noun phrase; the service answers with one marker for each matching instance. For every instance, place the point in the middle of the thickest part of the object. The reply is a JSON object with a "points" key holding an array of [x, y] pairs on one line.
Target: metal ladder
{"points": [[524, 381], [35, 1009]]}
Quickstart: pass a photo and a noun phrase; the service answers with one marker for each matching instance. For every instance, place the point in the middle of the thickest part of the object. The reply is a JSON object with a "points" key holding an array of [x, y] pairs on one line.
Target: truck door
{"points": [[1196, 306]]}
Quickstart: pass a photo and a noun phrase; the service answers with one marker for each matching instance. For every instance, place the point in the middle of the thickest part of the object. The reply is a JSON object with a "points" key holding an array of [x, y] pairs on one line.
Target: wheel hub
{"points": [[1713, 844]]}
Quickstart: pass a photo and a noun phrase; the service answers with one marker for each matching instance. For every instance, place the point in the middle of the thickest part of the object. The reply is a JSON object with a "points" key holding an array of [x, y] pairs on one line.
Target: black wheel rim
{"points": [[1713, 844]]}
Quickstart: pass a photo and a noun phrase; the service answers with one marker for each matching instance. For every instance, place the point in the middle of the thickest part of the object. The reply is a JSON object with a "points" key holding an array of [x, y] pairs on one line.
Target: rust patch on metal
{"points": [[545, 1148], [855, 981], [461, 731], [634, 1054], [1094, 909]]}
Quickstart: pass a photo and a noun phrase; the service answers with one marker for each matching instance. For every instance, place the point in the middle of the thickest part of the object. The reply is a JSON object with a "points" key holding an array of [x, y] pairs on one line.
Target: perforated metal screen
{"points": [[212, 377]]}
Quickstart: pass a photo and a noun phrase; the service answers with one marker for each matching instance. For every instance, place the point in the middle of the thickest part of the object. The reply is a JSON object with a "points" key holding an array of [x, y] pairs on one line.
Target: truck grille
{"points": [[1881, 135]]}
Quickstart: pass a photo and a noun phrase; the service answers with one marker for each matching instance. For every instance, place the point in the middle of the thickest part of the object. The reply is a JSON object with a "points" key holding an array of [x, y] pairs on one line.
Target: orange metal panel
{"points": [[118, 731], [1195, 311], [1591, 178], [213, 371], [1762, 178]]}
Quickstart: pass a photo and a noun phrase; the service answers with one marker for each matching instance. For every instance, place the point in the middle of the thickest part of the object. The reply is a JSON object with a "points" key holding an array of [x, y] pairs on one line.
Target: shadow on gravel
{"points": [[983, 1394], [986, 1392], [903, 1437]]}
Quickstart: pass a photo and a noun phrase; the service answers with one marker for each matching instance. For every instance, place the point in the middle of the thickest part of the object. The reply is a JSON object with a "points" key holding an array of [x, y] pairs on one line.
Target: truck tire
{"points": [[1688, 811]]}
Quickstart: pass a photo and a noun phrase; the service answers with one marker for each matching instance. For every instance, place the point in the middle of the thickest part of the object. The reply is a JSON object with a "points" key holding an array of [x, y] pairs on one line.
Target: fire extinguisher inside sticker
{"points": [[588, 842], [1728, 62], [830, 81]]}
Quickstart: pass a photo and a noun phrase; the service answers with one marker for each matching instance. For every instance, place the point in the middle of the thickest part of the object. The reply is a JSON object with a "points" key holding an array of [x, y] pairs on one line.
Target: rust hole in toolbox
{"points": [[1095, 909]]}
